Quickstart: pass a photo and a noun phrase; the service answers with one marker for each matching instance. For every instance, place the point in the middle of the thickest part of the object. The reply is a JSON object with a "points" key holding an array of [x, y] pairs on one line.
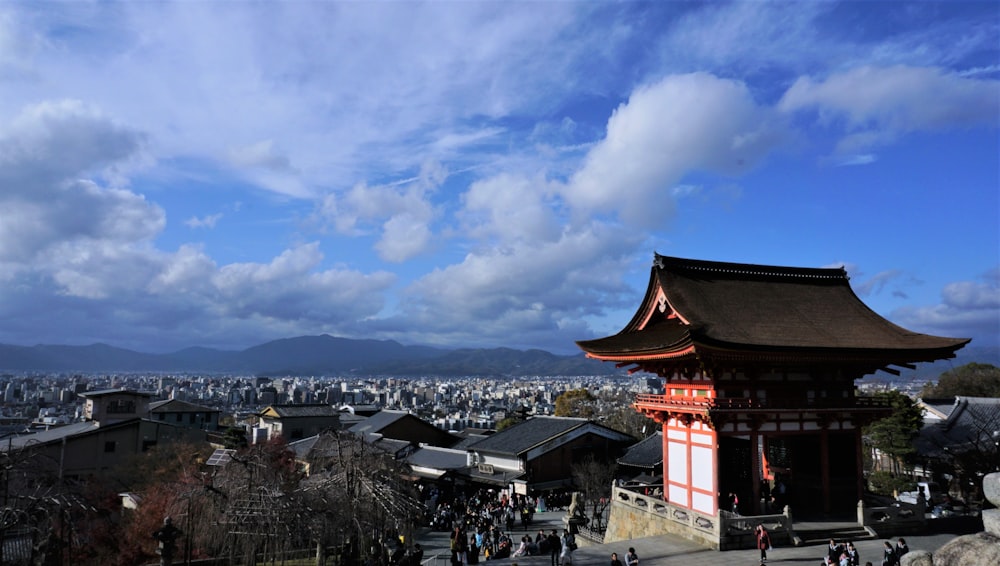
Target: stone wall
{"points": [[634, 515]]}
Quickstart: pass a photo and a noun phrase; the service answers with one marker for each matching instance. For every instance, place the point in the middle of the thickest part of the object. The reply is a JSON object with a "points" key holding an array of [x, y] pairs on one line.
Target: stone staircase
{"points": [[809, 534]]}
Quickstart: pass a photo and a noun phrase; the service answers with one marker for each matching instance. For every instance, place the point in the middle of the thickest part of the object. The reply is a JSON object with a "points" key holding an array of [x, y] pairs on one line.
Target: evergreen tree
{"points": [[893, 436]]}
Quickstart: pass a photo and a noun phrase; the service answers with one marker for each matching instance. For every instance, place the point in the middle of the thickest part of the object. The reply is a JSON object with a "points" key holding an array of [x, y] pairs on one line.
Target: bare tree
{"points": [[593, 479]]}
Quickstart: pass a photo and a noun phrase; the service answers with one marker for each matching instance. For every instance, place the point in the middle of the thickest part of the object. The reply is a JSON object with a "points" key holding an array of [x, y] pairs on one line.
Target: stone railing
{"points": [[739, 531], [891, 520], [635, 515]]}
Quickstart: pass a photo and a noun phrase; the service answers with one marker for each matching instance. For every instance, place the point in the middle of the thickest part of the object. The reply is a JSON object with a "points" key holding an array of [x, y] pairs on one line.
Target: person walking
{"points": [[763, 542], [901, 549], [568, 546], [889, 557], [555, 547]]}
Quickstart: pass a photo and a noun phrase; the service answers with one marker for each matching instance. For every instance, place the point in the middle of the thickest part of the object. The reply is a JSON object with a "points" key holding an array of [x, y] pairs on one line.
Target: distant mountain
{"points": [[967, 355], [327, 355], [304, 355], [497, 362]]}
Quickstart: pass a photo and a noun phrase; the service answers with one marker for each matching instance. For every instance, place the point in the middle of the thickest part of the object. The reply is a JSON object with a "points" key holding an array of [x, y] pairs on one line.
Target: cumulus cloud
{"points": [[82, 252], [402, 214], [510, 209], [523, 294], [877, 105], [680, 124], [48, 207], [967, 308]]}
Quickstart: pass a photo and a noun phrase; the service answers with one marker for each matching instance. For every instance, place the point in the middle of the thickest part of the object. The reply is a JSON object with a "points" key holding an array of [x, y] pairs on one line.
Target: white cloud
{"points": [[208, 221], [528, 293], [877, 105], [967, 309], [43, 155], [680, 124], [402, 214], [508, 210]]}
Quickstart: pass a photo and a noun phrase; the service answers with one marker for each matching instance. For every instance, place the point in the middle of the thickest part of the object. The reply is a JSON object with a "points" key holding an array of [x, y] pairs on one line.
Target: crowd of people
{"points": [[480, 527], [845, 554]]}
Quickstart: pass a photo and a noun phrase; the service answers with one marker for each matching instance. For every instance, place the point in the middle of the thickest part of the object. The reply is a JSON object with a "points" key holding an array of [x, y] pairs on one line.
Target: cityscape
{"points": [[399, 283]]}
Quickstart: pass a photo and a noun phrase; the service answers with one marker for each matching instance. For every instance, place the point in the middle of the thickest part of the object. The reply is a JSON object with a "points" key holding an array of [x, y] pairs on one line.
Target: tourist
{"points": [[852, 553], [763, 542], [568, 546], [889, 557], [833, 552], [614, 559], [555, 546], [901, 549], [631, 559]]}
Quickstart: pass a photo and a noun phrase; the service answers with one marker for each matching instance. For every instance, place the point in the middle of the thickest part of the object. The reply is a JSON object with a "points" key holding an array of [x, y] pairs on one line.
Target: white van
{"points": [[933, 495]]}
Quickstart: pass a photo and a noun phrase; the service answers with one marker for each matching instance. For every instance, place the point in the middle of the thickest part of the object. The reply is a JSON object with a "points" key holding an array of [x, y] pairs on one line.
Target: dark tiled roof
{"points": [[647, 453], [527, 434], [379, 421], [969, 426], [107, 392], [178, 406], [293, 411], [468, 440], [741, 307]]}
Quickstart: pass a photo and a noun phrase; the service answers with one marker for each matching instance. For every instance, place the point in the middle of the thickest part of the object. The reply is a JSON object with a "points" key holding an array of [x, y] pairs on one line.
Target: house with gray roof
{"points": [[538, 454], [114, 432], [182, 413], [295, 422], [401, 425]]}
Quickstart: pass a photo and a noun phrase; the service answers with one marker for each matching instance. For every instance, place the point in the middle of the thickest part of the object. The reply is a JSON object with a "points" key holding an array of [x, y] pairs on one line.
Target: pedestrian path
{"points": [[665, 550]]}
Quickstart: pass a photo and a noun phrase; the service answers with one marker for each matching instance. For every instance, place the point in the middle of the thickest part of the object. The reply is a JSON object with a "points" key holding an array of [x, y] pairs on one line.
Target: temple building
{"points": [[759, 366]]}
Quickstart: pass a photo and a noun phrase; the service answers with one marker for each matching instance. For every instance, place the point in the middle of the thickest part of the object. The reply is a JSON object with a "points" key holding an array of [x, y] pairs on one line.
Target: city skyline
{"points": [[483, 174]]}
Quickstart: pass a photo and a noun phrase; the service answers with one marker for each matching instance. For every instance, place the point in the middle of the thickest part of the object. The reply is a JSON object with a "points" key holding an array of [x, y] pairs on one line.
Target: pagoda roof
{"points": [[696, 309]]}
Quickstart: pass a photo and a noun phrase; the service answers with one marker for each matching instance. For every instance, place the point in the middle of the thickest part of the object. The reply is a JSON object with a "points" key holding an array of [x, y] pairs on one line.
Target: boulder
{"points": [[980, 549], [991, 488], [917, 558]]}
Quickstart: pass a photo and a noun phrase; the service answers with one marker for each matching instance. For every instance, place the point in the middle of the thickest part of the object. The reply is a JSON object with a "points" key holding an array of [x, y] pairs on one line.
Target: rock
{"points": [[980, 549], [991, 488], [917, 558], [991, 521]]}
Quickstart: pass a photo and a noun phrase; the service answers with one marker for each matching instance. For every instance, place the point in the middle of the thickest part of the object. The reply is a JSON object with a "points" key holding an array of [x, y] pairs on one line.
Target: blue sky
{"points": [[481, 174]]}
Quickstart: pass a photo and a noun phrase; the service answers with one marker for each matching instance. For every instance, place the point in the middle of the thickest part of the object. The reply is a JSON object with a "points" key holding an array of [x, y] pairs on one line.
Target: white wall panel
{"points": [[678, 466], [702, 468]]}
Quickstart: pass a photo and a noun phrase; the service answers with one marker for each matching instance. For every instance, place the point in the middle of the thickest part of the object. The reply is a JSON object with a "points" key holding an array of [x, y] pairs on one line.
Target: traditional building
{"points": [[759, 364], [538, 454]]}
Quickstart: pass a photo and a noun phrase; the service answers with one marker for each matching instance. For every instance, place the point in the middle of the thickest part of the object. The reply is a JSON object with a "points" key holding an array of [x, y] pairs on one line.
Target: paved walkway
{"points": [[666, 550]]}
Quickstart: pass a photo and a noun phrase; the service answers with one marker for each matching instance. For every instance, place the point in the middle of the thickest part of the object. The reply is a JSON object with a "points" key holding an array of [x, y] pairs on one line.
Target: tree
{"points": [[893, 436], [235, 438], [970, 380], [616, 411], [576, 403], [593, 479]]}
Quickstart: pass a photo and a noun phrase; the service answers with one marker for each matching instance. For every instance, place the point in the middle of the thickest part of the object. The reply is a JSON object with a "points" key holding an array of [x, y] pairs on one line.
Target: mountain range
{"points": [[304, 355], [330, 355]]}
